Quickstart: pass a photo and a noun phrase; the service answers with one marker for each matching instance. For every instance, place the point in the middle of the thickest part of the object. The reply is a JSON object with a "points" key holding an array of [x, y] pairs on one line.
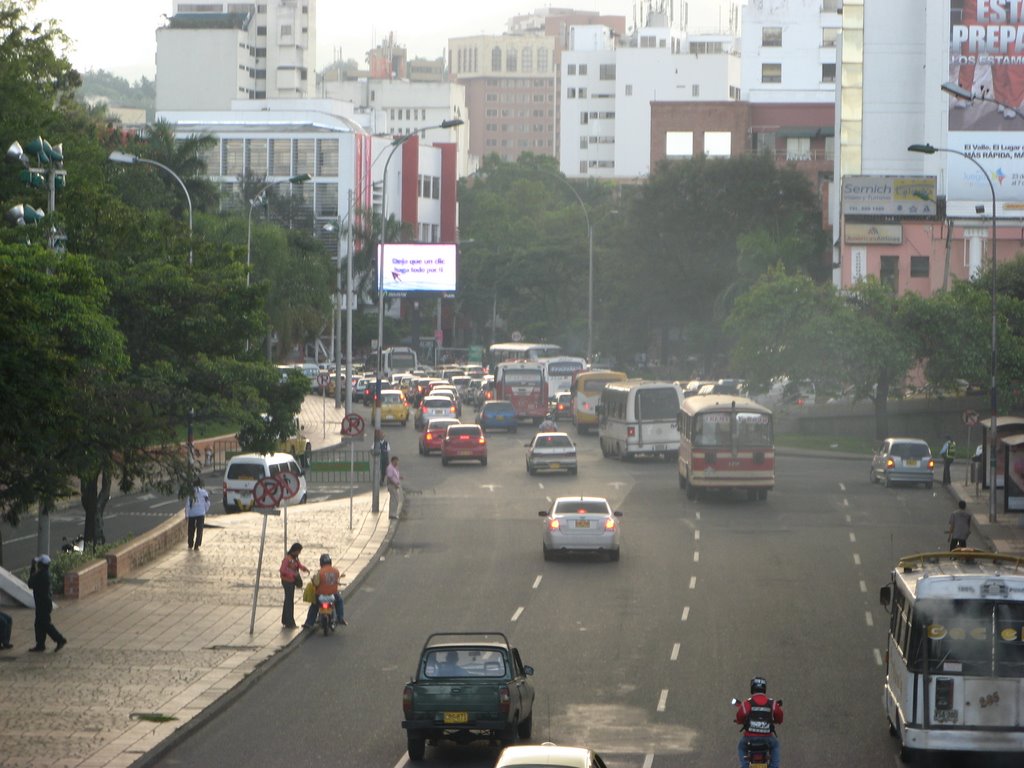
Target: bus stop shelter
{"points": [[1007, 428]]}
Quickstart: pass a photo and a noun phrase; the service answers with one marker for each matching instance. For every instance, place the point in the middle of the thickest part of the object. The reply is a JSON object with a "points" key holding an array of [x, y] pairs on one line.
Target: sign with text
{"points": [[417, 267], [889, 195], [873, 234]]}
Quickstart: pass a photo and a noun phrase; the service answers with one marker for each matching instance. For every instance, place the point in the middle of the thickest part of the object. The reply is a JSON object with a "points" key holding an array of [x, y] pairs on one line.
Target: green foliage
{"points": [[62, 562], [117, 91]]}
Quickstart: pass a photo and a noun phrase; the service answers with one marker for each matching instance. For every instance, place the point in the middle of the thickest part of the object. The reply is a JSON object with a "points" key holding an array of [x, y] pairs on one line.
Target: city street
{"points": [[636, 659]]}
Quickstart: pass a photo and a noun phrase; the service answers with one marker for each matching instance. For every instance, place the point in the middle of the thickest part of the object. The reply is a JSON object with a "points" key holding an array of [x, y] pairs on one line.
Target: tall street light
{"points": [[256, 200], [380, 292], [928, 149], [330, 227], [127, 159]]}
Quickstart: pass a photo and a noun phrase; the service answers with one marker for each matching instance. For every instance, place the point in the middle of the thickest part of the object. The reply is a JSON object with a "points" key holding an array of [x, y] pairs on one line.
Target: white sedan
{"points": [[551, 450], [581, 524], [549, 754]]}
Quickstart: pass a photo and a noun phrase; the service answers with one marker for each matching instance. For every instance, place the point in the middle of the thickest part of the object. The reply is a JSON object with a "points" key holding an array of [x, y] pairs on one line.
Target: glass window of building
{"points": [[798, 148], [232, 158], [718, 143], [496, 59], [679, 144], [280, 158], [607, 72], [829, 35], [542, 59], [327, 157], [510, 60], [771, 73], [889, 273], [920, 266], [211, 160], [570, 69], [771, 37], [526, 59], [305, 157], [326, 200], [583, 69], [256, 149], [828, 73]]}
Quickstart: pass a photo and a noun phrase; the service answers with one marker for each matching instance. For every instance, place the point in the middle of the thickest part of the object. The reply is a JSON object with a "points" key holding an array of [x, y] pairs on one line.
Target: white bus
{"points": [[558, 372], [398, 360], [955, 655], [507, 352], [636, 417]]}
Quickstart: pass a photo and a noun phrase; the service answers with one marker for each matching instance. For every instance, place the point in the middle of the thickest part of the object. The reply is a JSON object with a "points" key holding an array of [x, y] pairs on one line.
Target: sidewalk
{"points": [[145, 657], [1005, 536]]}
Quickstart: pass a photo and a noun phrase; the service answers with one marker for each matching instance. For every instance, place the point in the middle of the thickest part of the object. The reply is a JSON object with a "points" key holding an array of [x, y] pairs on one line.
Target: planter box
{"points": [[146, 547], [91, 577]]}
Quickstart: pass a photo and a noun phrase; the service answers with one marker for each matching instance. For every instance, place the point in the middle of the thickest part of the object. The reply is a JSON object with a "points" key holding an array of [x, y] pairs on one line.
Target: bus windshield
{"points": [[720, 429], [950, 636]]}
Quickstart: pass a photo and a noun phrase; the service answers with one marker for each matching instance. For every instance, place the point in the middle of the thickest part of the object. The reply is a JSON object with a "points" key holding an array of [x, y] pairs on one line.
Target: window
{"points": [[648, 41], [496, 59], [583, 142], [828, 73], [679, 144], [695, 91], [829, 35], [798, 148], [510, 60], [718, 143], [583, 93], [286, 30], [526, 59], [584, 119], [583, 166], [771, 73], [571, 69], [570, 93], [542, 60], [629, 90], [771, 37], [919, 266], [607, 72], [327, 157], [889, 272], [583, 69]]}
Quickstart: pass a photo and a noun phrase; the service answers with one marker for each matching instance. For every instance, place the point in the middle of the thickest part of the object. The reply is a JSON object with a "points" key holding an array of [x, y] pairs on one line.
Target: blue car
{"points": [[497, 414]]}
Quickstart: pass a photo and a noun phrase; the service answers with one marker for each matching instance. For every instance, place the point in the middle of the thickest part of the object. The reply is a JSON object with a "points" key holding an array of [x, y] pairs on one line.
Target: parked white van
{"points": [[636, 416], [243, 472]]}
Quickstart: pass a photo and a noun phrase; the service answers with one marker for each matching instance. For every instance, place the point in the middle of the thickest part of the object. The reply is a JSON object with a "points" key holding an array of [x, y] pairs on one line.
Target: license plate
{"points": [[465, 453], [453, 718], [911, 462], [556, 465], [582, 523]]}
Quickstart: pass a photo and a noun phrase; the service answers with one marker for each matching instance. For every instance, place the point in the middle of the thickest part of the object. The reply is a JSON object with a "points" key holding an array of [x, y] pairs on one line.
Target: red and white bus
{"points": [[726, 441], [522, 384], [558, 372]]}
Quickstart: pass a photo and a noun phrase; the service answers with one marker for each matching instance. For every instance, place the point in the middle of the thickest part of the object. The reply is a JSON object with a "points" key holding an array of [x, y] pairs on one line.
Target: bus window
{"points": [[753, 430], [1009, 639], [951, 636], [657, 404]]}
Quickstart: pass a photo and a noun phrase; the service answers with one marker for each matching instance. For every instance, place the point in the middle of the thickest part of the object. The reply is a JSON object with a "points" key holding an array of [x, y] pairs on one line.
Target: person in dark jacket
{"points": [[39, 583]]}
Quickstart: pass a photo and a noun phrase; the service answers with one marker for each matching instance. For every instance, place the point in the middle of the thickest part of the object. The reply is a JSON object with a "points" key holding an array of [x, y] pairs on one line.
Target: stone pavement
{"points": [[151, 652], [1005, 535]]}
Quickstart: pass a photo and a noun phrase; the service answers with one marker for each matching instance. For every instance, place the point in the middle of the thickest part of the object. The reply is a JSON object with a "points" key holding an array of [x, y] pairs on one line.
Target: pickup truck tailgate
{"points": [[458, 703]]}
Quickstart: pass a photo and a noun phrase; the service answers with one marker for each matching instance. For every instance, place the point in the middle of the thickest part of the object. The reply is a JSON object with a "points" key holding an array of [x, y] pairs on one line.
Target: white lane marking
{"points": [[856, 559], [490, 487], [696, 535], [842, 487], [675, 652], [863, 586], [853, 537], [696, 557], [846, 502], [698, 515], [165, 503], [686, 613], [518, 613], [402, 761], [869, 618], [662, 699], [693, 582], [616, 484], [648, 760], [536, 582], [849, 519], [541, 486], [878, 657]]}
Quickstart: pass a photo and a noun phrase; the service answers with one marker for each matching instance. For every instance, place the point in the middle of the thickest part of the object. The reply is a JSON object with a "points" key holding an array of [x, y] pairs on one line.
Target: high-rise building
{"points": [[211, 53]]}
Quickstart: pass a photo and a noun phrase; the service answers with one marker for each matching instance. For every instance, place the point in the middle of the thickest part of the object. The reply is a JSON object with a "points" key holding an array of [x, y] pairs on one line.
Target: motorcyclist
{"points": [[549, 424], [759, 715], [327, 582]]}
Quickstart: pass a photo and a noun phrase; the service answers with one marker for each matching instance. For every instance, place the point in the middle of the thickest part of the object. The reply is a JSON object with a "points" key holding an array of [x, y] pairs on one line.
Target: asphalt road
{"points": [[637, 659]]}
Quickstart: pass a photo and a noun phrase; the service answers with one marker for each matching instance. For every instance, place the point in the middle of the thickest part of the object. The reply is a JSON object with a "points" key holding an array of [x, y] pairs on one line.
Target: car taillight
{"points": [[482, 440], [630, 431], [553, 524], [452, 409], [504, 699], [429, 437], [609, 524], [931, 463], [407, 699], [890, 463], [586, 406]]}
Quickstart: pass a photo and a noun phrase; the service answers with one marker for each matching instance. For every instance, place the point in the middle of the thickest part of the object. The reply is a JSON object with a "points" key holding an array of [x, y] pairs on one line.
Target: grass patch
{"points": [[827, 444]]}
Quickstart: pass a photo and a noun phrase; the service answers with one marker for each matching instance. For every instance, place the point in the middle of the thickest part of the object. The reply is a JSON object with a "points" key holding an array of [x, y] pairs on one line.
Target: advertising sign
{"points": [[889, 195], [417, 267], [987, 59], [873, 234]]}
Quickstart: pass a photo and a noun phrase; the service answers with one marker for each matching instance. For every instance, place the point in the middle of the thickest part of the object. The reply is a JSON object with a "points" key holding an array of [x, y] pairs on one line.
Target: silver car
{"points": [[581, 524], [551, 450], [903, 460]]}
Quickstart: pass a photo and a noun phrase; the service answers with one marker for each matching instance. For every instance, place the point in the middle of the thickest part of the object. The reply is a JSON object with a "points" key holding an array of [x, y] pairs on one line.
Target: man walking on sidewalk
{"points": [[39, 583], [959, 526], [948, 453], [196, 507]]}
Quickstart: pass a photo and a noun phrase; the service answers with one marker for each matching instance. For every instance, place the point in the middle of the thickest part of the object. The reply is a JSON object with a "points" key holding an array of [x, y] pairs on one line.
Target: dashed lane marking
{"points": [[164, 503], [846, 502], [693, 582], [853, 537], [686, 613], [518, 613], [663, 699], [869, 618], [863, 586], [648, 760], [696, 535], [536, 582], [696, 557], [856, 559], [674, 656], [842, 487], [878, 657]]}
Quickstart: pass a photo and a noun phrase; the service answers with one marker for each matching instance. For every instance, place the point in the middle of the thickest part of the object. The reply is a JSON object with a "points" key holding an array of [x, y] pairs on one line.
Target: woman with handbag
{"points": [[290, 579]]}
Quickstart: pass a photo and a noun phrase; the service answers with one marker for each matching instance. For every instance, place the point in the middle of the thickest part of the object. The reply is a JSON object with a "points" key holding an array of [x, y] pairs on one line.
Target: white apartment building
{"points": [[211, 53], [789, 51], [608, 85], [401, 107]]}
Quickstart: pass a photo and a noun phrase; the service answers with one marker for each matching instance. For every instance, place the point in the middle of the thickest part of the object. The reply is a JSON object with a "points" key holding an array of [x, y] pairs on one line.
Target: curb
{"points": [[229, 697]]}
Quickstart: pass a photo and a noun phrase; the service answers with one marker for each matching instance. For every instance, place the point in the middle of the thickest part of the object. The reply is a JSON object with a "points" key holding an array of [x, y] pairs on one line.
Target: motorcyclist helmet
{"points": [[758, 685], [325, 559]]}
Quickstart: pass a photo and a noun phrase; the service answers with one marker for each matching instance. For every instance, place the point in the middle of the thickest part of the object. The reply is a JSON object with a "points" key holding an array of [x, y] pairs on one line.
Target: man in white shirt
{"points": [[394, 479], [196, 507]]}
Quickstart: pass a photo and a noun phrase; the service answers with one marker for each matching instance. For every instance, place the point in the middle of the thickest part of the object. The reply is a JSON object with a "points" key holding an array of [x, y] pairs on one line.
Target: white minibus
{"points": [[636, 417]]}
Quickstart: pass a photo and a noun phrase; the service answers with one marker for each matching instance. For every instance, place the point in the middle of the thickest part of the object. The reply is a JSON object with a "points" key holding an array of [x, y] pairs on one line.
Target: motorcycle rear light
{"points": [[630, 431]]}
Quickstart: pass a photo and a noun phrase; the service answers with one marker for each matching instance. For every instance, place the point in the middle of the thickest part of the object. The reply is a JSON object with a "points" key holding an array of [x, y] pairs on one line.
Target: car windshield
{"points": [[441, 423], [910, 450], [469, 431], [552, 441], [578, 507]]}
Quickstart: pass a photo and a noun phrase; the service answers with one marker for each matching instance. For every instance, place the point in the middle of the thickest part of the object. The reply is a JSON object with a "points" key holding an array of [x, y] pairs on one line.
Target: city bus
{"points": [[954, 660], [522, 384], [636, 416], [525, 350], [586, 389], [558, 372], [398, 360], [726, 442]]}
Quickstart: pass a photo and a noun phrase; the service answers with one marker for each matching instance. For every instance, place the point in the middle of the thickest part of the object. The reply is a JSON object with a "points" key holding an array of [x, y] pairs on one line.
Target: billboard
{"points": [[889, 196], [986, 48], [417, 267]]}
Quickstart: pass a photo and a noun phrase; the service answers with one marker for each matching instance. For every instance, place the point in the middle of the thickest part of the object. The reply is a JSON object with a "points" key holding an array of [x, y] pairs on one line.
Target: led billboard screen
{"points": [[418, 267]]}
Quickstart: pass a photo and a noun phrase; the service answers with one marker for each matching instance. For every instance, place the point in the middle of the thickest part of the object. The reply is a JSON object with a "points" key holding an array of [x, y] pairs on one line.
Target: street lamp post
{"points": [[380, 299], [256, 200], [127, 159], [993, 446], [348, 313]]}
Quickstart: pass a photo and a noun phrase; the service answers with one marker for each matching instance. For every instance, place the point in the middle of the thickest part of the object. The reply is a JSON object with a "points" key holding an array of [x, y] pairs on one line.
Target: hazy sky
{"points": [[120, 35]]}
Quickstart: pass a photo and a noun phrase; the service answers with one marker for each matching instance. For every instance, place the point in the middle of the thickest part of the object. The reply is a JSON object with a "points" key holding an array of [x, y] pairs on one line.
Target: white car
{"points": [[548, 754], [581, 524], [551, 451]]}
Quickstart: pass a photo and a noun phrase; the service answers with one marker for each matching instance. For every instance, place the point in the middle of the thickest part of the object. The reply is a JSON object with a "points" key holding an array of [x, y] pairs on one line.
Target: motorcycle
{"points": [[325, 615], [758, 751], [77, 545]]}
